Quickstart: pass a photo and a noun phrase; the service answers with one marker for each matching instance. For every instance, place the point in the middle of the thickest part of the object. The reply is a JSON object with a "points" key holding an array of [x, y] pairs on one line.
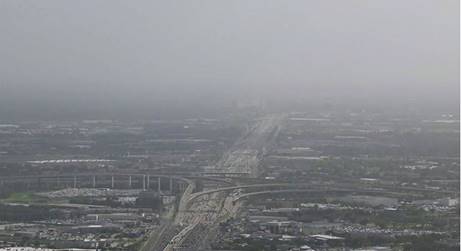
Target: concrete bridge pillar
{"points": [[148, 182], [144, 182], [75, 181], [112, 181], [159, 189], [129, 181], [94, 181], [171, 185]]}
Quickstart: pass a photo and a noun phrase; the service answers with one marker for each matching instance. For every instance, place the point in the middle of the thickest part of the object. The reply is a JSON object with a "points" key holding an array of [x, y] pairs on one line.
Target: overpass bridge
{"points": [[144, 181], [231, 188], [126, 179], [297, 191]]}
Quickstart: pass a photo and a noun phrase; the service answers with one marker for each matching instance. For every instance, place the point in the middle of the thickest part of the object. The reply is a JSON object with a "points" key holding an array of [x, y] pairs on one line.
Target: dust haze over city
{"points": [[229, 125]]}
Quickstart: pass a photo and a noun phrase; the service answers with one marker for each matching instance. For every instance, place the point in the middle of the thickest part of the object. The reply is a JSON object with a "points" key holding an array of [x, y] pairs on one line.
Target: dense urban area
{"points": [[333, 179]]}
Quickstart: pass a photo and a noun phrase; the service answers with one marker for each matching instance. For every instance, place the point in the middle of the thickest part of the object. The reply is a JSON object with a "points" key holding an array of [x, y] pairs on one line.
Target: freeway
{"points": [[390, 191], [195, 219], [243, 157], [160, 238], [246, 153]]}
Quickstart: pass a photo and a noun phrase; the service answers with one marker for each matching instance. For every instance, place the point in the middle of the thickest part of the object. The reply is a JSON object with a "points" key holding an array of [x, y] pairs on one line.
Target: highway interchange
{"points": [[206, 210], [236, 176]]}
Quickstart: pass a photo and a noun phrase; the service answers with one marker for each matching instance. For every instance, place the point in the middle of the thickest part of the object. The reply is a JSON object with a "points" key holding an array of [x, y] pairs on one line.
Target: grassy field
{"points": [[24, 197]]}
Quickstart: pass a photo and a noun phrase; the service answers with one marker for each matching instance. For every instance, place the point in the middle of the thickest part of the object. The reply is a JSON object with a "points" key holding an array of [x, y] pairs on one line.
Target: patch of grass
{"points": [[24, 197]]}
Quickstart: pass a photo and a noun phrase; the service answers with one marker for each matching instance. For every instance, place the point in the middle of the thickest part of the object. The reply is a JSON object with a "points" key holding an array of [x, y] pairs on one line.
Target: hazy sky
{"points": [[111, 53]]}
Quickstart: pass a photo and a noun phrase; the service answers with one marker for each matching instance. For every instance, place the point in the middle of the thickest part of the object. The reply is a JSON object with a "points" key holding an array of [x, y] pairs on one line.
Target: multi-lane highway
{"points": [[205, 210], [246, 153]]}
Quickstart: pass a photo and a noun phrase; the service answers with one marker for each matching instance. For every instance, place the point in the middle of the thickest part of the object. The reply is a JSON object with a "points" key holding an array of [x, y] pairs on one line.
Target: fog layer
{"points": [[95, 57]]}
